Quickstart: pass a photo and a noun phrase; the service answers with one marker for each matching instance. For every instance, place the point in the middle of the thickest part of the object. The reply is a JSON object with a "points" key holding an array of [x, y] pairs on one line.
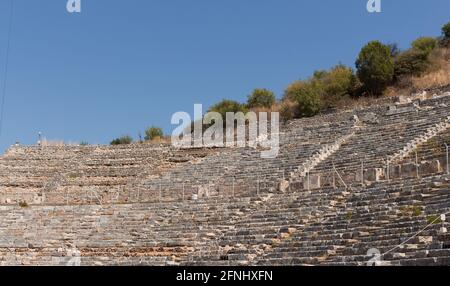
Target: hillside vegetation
{"points": [[382, 70]]}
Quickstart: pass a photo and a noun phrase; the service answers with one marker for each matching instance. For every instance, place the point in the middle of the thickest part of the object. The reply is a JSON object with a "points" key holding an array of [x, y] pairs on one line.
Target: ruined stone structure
{"points": [[348, 188]]}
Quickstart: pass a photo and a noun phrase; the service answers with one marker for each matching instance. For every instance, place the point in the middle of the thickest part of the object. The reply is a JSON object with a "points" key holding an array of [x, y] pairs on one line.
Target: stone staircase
{"points": [[319, 157], [423, 138]]}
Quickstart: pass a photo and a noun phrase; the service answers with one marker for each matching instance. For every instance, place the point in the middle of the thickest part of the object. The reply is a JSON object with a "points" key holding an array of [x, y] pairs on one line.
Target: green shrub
{"points": [[416, 211], [339, 80], [337, 84], [424, 44], [153, 133], [261, 98], [446, 30], [356, 88], [288, 110], [291, 90], [308, 99], [434, 219], [303, 98], [375, 67], [122, 140], [412, 62], [445, 41], [349, 215], [225, 106], [323, 89], [23, 204]]}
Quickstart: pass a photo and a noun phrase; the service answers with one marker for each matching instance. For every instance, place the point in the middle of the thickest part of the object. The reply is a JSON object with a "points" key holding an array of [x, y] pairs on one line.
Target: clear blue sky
{"points": [[121, 66]]}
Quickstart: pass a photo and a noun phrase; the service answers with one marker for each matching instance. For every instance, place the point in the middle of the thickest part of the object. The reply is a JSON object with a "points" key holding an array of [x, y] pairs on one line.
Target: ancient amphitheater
{"points": [[344, 186]]}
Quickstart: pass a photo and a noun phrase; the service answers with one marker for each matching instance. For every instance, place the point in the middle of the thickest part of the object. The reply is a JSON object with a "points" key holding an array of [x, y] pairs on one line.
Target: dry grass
{"points": [[159, 140], [433, 79], [359, 102], [274, 108], [438, 75]]}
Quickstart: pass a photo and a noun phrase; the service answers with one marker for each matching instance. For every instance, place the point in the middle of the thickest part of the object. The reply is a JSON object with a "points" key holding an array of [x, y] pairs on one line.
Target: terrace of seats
{"points": [[33, 174], [385, 134], [239, 214], [329, 226]]}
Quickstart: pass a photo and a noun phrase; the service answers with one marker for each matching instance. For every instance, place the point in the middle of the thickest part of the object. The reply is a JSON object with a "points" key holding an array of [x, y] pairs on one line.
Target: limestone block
{"points": [[398, 255], [204, 192], [283, 186], [289, 230], [425, 239], [395, 171], [370, 118], [314, 182], [374, 175], [408, 170], [401, 99], [38, 199], [432, 167]]}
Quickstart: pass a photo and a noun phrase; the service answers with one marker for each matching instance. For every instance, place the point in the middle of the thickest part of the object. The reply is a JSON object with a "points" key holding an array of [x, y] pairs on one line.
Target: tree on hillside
{"points": [[153, 133], [414, 61], [225, 106], [424, 44], [411, 62], [291, 90], [307, 97], [261, 98], [446, 35], [375, 67], [325, 88], [337, 84], [446, 30]]}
